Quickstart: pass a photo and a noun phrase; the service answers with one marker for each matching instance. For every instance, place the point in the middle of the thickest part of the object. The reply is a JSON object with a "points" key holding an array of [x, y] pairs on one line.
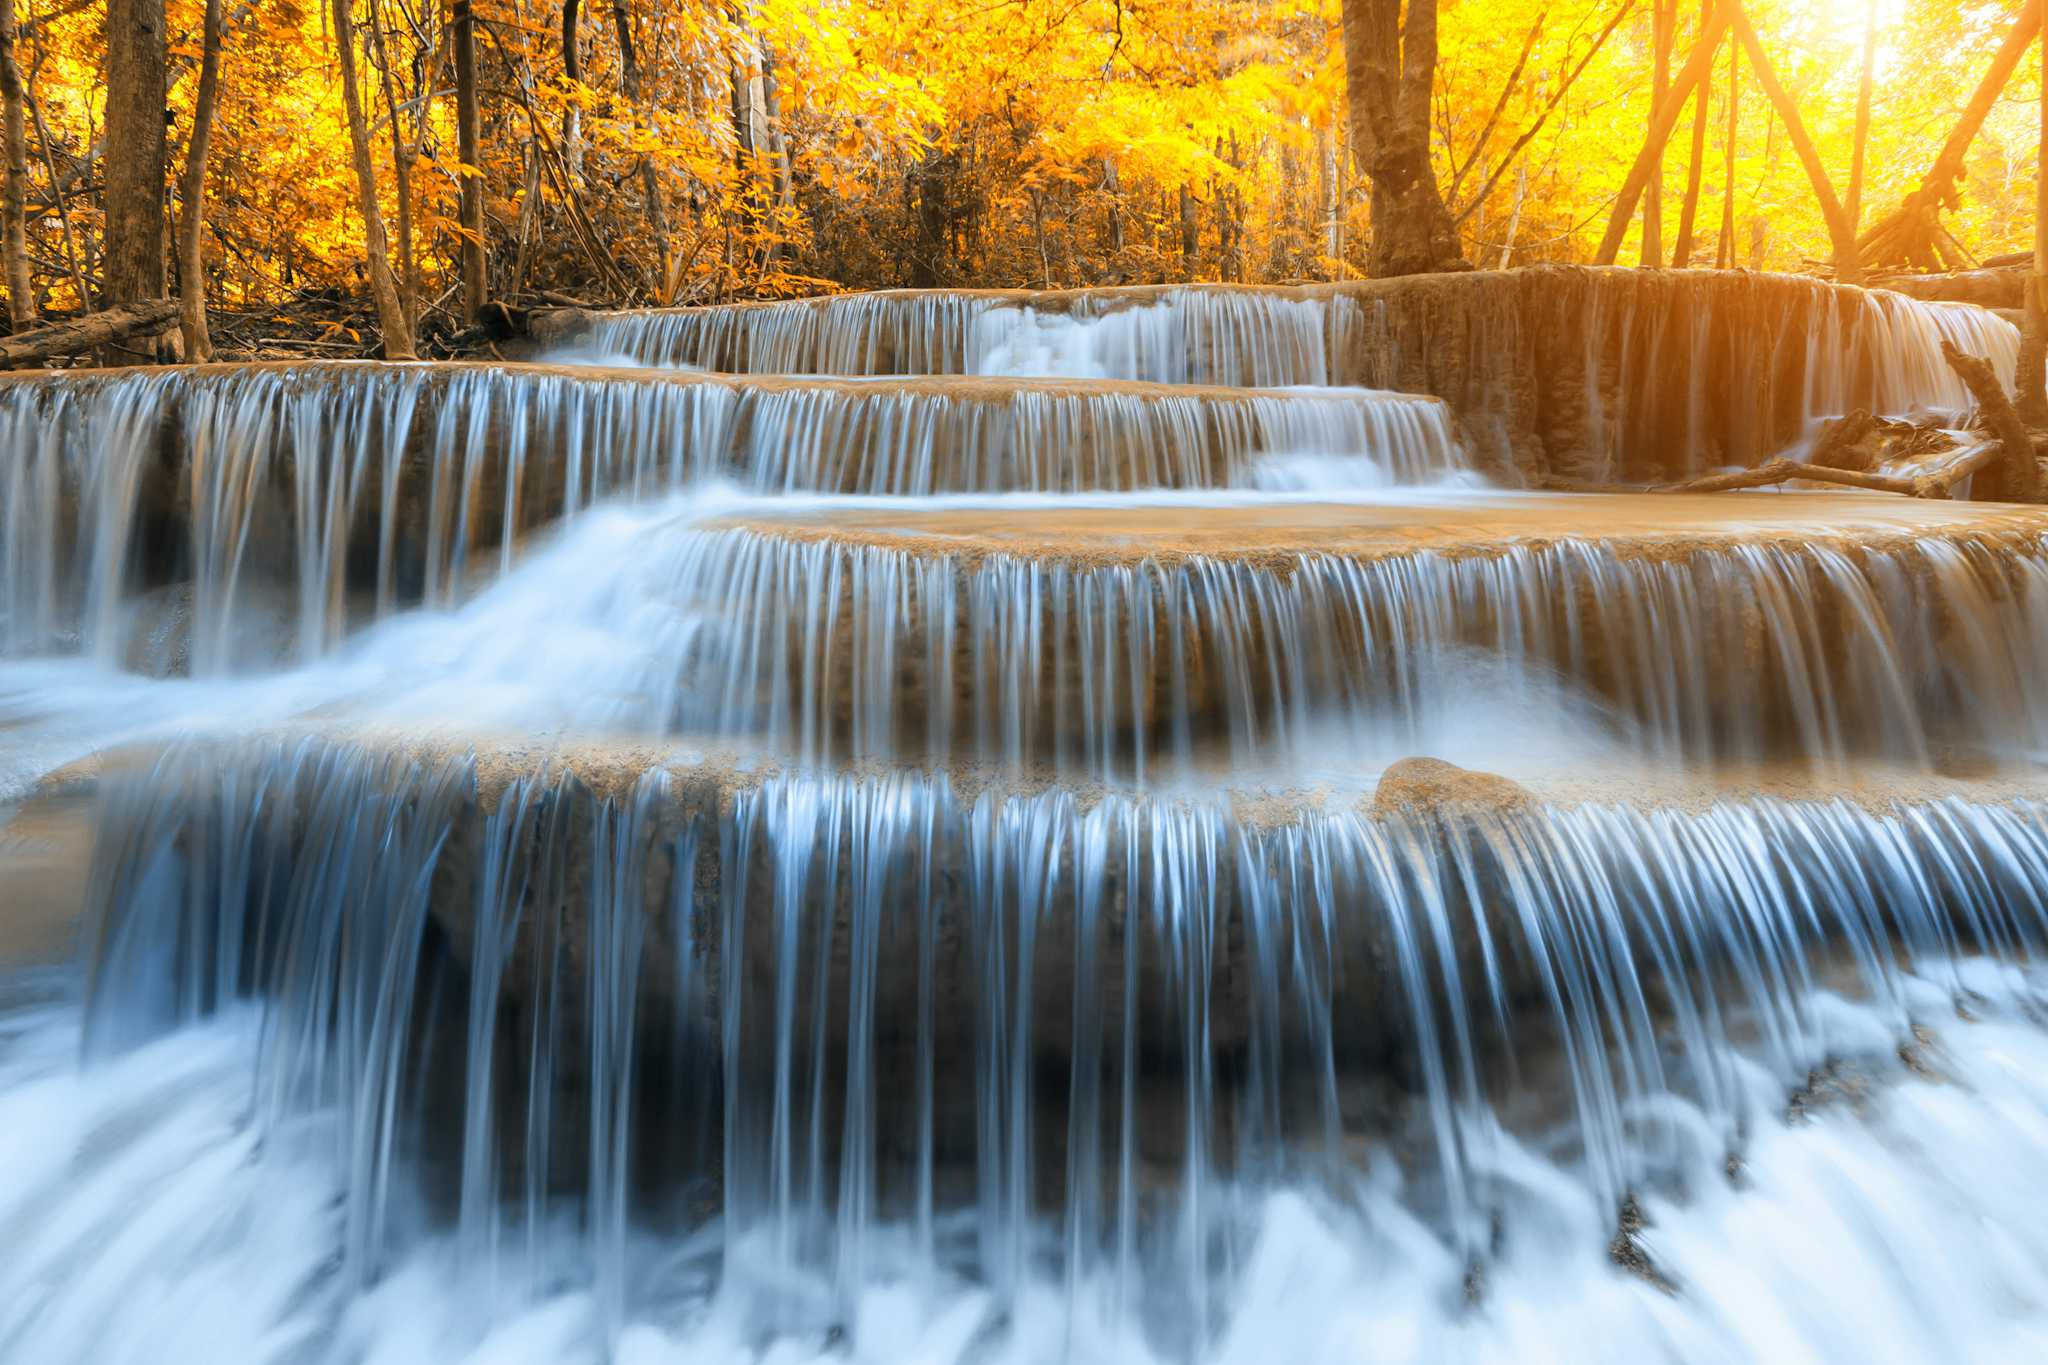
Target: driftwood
{"points": [[2021, 476], [147, 318], [1830, 462], [1782, 471], [1936, 485]]}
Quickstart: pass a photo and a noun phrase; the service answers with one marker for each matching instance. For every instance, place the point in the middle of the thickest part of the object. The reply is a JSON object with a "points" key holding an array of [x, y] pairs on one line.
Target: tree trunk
{"points": [[1666, 118], [470, 203], [21, 303], [146, 317], [1662, 23], [1507, 246], [391, 317], [133, 248], [1852, 202], [650, 183], [572, 69], [49, 159], [2031, 381], [784, 196], [1389, 76], [1190, 235], [1839, 232], [1557, 94], [1688, 213], [1724, 245], [408, 273], [192, 195]]}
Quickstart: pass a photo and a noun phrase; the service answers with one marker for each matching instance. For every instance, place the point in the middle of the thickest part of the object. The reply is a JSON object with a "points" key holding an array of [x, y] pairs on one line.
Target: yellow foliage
{"points": [[993, 142]]}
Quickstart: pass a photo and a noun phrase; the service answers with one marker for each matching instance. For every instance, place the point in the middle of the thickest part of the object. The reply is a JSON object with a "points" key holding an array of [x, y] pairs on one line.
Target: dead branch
{"points": [[2021, 476], [1782, 471]]}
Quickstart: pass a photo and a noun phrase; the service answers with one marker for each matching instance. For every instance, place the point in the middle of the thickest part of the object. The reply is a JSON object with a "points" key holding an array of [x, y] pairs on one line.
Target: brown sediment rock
{"points": [[1636, 525], [1430, 786], [45, 862]]}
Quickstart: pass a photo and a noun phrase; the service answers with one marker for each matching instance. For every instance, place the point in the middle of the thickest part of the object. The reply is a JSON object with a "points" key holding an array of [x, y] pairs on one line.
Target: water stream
{"points": [[631, 865]]}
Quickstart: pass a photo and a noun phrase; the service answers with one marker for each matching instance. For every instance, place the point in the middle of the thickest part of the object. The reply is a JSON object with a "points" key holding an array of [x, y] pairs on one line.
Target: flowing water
{"points": [[604, 864]]}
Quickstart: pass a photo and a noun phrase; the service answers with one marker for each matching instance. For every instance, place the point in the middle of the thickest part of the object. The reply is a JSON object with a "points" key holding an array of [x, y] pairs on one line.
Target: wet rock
{"points": [[1628, 1251], [1430, 786]]}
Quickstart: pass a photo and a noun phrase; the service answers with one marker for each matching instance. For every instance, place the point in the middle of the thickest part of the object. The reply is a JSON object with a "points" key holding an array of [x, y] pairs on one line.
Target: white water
{"points": [[1900, 1227]]}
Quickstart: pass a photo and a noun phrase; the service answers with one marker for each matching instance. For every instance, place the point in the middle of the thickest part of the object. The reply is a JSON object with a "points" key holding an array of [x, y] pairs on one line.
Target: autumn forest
{"points": [[669, 151]]}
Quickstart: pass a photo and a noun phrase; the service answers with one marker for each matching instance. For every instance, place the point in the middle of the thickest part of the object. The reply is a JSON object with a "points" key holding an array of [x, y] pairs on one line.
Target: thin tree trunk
{"points": [[745, 161], [1507, 246], [1190, 234], [391, 318], [1660, 85], [572, 69], [192, 195], [778, 137], [650, 183], [2032, 378], [1688, 213], [21, 303], [1113, 188], [1666, 118], [1852, 202], [1556, 97], [778, 153], [1340, 197], [1839, 232], [470, 203], [57, 197], [408, 273], [1724, 247], [1477, 156], [1907, 233], [133, 250]]}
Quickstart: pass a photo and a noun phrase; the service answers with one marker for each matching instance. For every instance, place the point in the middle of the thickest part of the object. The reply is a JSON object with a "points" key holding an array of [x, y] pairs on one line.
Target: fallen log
{"points": [[147, 318], [1782, 471], [2019, 476]]}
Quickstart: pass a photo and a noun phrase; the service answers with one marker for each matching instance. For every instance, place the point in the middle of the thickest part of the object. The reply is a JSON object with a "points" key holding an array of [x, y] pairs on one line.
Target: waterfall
{"points": [[1679, 371], [839, 648], [351, 489], [816, 942], [930, 834]]}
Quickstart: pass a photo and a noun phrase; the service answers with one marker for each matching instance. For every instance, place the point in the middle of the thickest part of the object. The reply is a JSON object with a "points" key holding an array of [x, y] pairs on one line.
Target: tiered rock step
{"points": [[1116, 637], [757, 968], [979, 900], [397, 482], [1597, 375]]}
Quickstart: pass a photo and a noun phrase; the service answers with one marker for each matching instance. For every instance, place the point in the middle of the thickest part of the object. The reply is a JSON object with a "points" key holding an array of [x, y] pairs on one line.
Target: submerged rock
{"points": [[1430, 786]]}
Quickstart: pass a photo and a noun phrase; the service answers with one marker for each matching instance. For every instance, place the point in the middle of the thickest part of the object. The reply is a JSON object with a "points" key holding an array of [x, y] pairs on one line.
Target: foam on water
{"points": [[1890, 1225]]}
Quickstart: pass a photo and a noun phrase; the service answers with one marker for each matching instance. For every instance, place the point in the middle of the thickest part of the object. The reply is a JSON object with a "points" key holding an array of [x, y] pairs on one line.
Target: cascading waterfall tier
{"points": [[1132, 639], [912, 877], [350, 488], [663, 996], [1567, 372]]}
